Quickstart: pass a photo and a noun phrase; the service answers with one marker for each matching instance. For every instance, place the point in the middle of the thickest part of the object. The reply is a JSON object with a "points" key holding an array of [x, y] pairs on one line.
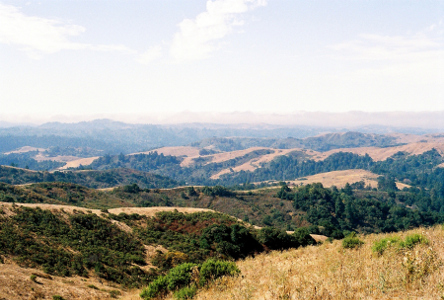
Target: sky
{"points": [[60, 59]]}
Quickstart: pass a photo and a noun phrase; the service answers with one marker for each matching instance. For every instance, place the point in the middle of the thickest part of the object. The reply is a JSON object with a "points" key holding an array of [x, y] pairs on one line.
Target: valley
{"points": [[91, 222]]}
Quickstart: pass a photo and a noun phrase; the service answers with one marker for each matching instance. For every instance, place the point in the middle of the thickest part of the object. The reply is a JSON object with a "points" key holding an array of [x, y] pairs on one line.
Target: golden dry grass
{"points": [[187, 152], [151, 211], [25, 149], [177, 151], [59, 158], [16, 283], [340, 178], [380, 154], [413, 138], [330, 272], [254, 163], [77, 162], [146, 211]]}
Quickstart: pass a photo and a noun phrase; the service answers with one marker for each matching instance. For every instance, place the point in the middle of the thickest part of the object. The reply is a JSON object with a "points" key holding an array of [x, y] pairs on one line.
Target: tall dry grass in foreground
{"points": [[330, 272]]}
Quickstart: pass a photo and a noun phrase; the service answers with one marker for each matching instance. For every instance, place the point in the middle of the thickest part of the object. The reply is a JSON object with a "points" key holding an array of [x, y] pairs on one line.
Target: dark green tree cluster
{"points": [[92, 179], [142, 162], [288, 168], [336, 211], [277, 239]]}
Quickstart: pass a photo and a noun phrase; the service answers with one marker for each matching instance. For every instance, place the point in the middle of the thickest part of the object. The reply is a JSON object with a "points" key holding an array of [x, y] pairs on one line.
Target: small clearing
{"points": [[180, 151], [25, 149], [76, 163]]}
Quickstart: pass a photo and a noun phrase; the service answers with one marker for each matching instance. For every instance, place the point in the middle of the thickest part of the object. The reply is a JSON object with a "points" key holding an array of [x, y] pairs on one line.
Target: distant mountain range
{"points": [[117, 137]]}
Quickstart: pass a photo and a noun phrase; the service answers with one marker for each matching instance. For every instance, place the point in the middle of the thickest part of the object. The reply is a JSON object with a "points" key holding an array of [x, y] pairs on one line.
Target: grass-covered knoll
{"points": [[331, 272], [327, 211]]}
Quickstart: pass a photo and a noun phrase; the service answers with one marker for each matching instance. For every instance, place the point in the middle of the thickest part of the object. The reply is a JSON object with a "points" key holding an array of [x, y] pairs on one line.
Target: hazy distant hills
{"points": [[207, 154], [115, 137], [323, 142]]}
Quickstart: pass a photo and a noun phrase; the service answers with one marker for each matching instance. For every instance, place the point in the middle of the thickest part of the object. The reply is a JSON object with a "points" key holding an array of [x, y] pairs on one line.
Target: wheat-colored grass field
{"points": [[77, 162], [341, 178], [328, 271]]}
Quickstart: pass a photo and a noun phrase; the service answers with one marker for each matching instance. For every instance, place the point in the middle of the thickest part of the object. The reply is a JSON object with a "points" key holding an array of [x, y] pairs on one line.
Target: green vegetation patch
{"points": [[351, 242], [185, 279], [397, 243], [73, 245]]}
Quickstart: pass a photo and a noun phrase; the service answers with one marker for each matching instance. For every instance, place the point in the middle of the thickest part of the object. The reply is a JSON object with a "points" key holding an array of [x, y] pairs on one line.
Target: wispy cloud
{"points": [[198, 37], [372, 47], [37, 36], [150, 55]]}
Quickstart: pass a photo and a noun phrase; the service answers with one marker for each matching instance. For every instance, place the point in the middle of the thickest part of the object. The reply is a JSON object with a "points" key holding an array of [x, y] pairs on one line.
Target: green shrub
{"points": [[277, 239], [187, 292], [114, 293], [351, 242], [381, 245], [180, 279], [303, 237], [155, 288], [180, 276], [410, 241], [34, 277], [92, 286], [176, 278], [57, 297], [212, 269], [413, 239]]}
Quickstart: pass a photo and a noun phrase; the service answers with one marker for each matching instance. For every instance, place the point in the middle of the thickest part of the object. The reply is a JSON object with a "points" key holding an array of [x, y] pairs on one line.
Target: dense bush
{"points": [[414, 239], [303, 237], [381, 245], [277, 239], [185, 278], [213, 269], [351, 242], [396, 242], [187, 292]]}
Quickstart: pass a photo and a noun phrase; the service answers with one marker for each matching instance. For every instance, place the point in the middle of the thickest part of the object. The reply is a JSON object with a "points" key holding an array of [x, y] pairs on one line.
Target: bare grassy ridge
{"points": [[330, 272], [341, 178]]}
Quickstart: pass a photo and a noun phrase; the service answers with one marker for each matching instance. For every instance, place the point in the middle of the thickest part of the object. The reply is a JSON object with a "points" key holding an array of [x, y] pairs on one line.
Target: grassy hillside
{"points": [[331, 272], [328, 211], [120, 250]]}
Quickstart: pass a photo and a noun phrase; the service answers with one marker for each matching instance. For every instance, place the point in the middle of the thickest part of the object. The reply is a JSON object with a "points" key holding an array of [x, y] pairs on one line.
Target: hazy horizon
{"points": [[352, 119]]}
